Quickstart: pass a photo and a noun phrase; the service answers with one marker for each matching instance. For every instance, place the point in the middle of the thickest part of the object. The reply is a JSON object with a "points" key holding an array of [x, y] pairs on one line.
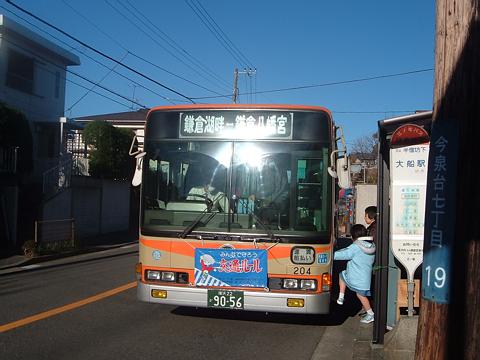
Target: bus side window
{"points": [[309, 195]]}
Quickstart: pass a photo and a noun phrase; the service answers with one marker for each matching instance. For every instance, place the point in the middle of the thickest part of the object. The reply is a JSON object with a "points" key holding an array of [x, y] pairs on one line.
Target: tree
{"points": [[15, 132], [364, 153], [109, 158], [367, 144]]}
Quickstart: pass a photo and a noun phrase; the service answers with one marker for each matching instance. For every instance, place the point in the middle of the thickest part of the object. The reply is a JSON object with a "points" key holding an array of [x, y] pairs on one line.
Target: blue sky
{"points": [[290, 43]]}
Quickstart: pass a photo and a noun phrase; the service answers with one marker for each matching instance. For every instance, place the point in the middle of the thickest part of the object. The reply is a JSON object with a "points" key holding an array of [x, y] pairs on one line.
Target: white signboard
{"points": [[408, 170]]}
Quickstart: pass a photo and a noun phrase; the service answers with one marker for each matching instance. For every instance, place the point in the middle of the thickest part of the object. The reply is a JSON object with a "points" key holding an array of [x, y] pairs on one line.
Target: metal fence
{"points": [[55, 235]]}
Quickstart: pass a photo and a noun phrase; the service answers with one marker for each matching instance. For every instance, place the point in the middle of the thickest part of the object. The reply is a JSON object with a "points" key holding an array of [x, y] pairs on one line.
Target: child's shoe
{"points": [[340, 301], [367, 319], [362, 313]]}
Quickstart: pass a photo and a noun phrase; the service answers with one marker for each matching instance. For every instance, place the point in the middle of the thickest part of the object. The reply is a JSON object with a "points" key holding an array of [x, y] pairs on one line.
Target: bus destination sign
{"points": [[236, 125]]}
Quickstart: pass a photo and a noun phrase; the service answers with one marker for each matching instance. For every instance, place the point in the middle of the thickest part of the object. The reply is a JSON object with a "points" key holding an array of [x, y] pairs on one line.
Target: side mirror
{"points": [[343, 172], [137, 177]]}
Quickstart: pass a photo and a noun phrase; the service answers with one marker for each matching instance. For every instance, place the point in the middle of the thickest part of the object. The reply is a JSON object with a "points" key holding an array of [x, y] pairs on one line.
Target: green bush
{"points": [[108, 155]]}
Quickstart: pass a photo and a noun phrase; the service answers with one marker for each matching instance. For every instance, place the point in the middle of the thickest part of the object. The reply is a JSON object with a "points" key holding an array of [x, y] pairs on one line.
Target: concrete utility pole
{"points": [[249, 73], [235, 85], [449, 323]]}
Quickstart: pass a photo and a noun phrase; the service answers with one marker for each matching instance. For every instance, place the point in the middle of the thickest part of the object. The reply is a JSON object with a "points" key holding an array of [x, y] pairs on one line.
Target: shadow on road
{"points": [[336, 317], [338, 314]]}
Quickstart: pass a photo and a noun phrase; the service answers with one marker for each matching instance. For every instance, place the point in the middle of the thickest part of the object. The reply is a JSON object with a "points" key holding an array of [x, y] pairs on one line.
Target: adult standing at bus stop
{"points": [[371, 221]]}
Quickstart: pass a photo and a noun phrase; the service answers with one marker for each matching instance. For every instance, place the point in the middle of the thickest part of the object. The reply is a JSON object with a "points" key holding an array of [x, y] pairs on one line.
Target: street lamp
{"points": [[63, 120]]}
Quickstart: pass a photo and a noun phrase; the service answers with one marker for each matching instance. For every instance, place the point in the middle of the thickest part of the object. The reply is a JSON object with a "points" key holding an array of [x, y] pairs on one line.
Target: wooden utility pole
{"points": [[449, 323]]}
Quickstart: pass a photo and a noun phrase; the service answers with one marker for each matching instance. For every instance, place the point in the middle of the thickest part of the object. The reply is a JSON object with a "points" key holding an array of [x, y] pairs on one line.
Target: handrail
{"points": [[58, 178]]}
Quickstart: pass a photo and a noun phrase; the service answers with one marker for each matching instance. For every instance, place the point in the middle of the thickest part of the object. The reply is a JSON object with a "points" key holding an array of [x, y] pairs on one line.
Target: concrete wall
{"points": [[97, 206], [87, 205], [115, 206], [59, 207], [366, 195]]}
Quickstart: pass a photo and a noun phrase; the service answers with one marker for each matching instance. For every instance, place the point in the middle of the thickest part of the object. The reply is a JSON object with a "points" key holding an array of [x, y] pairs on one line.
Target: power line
{"points": [[132, 54], [99, 52], [159, 67], [195, 8], [73, 73], [330, 83], [160, 45], [165, 37], [95, 60], [93, 87], [224, 35]]}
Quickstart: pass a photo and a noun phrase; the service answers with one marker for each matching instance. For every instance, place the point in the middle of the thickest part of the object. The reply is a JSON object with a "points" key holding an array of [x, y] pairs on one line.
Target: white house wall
{"points": [[42, 105]]}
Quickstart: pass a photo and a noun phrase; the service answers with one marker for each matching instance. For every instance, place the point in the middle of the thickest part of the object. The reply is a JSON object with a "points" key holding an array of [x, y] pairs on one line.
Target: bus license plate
{"points": [[226, 299]]}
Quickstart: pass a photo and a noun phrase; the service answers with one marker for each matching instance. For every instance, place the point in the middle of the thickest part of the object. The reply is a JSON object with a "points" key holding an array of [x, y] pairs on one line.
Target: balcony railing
{"points": [[8, 160]]}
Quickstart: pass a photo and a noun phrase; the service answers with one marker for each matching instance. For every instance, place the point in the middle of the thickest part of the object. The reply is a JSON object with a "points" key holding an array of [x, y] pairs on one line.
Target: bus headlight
{"points": [[290, 283], [153, 275], [308, 284], [168, 276]]}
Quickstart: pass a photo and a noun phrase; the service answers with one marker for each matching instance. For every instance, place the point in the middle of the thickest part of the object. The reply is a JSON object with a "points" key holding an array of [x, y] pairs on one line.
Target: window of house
{"points": [[20, 72]]}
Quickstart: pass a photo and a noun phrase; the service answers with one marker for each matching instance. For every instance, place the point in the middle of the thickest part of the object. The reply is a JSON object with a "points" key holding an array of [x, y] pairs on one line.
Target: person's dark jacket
{"points": [[372, 231]]}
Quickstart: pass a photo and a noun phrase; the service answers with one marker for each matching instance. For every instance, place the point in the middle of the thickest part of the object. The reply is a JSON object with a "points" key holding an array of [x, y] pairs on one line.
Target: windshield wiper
{"points": [[196, 222], [269, 231]]}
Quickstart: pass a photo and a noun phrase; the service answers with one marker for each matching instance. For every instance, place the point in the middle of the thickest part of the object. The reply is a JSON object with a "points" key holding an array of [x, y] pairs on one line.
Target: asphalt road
{"points": [[119, 327]]}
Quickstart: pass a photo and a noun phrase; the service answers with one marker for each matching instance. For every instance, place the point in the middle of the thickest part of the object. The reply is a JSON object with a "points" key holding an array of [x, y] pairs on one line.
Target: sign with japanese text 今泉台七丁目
{"points": [[440, 215]]}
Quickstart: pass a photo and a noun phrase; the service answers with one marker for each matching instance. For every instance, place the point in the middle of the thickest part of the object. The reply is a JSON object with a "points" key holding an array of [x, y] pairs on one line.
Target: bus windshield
{"points": [[247, 189]]}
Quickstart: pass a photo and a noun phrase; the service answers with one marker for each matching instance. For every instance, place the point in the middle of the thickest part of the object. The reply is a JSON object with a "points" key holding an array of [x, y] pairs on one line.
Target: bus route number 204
{"points": [[300, 270]]}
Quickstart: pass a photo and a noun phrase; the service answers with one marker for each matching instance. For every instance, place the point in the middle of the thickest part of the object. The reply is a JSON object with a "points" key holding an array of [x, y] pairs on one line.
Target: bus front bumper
{"points": [[264, 301]]}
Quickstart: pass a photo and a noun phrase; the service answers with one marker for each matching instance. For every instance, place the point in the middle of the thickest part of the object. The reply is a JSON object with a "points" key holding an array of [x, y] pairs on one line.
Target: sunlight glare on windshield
{"points": [[251, 155]]}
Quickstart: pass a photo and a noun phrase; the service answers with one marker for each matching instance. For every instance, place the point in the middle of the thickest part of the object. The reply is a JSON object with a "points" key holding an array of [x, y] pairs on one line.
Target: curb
{"points": [[23, 265]]}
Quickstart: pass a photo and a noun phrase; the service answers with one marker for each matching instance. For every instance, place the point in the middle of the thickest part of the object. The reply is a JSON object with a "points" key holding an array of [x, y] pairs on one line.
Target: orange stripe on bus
{"points": [[187, 247], [156, 244]]}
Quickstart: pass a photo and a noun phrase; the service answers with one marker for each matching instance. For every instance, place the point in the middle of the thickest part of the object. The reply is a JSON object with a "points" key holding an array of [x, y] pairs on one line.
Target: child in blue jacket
{"points": [[357, 276]]}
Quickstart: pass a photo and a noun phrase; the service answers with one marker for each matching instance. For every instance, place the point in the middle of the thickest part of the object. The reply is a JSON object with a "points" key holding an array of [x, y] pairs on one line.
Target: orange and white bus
{"points": [[237, 207]]}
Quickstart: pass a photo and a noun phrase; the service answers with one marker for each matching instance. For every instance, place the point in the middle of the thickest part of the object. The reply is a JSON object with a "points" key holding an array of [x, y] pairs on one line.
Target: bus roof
{"points": [[240, 107]]}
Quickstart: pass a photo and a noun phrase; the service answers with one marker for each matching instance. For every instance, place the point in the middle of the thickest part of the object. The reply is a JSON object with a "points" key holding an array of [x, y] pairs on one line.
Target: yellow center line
{"points": [[68, 307]]}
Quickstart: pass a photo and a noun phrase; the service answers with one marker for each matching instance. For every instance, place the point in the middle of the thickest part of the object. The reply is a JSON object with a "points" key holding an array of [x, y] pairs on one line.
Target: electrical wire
{"points": [[98, 51], [73, 73], [330, 83], [93, 87], [224, 35], [165, 37], [172, 101], [160, 45], [130, 52], [215, 32]]}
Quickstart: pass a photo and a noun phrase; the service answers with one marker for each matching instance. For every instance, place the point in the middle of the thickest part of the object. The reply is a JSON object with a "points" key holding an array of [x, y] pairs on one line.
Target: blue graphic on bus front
{"points": [[231, 267]]}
